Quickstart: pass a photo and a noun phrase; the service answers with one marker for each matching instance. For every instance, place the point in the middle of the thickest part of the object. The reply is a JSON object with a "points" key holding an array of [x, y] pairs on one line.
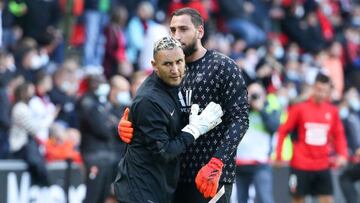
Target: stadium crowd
{"points": [[69, 68]]}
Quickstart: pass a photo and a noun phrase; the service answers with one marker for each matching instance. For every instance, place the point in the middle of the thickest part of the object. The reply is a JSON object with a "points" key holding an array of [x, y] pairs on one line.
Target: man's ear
{"points": [[153, 63], [200, 31]]}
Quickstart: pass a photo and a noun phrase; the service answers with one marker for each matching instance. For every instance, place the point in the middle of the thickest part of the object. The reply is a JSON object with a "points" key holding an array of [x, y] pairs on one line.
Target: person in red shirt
{"points": [[60, 147], [317, 124]]}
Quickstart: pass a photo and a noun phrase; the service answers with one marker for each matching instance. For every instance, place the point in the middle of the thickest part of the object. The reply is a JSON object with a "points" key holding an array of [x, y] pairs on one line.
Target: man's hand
{"points": [[125, 129], [340, 161], [207, 120], [207, 179]]}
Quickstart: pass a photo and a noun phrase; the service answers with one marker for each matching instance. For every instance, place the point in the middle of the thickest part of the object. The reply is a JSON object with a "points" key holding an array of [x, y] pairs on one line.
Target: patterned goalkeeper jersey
{"points": [[215, 77]]}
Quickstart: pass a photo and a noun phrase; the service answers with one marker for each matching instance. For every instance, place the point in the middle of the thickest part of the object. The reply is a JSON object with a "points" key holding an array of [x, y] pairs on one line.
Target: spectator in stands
{"points": [[303, 27], [59, 147], [137, 29], [24, 128], [317, 125], [238, 16], [40, 22], [116, 61], [7, 69], [349, 112], [97, 129], [64, 93], [331, 64], [254, 150], [41, 106], [96, 18], [136, 80], [12, 32], [27, 59], [120, 98]]}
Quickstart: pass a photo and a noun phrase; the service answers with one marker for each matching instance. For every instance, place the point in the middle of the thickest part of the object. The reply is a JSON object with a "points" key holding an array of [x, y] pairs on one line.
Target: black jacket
{"points": [[149, 171], [96, 127]]}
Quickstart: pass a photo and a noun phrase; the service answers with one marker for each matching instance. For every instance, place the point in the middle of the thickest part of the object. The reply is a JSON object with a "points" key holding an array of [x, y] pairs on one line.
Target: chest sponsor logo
{"points": [[185, 101], [316, 133]]}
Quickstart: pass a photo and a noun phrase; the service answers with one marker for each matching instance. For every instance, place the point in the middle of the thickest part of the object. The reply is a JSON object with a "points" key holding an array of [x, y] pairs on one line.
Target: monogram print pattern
{"points": [[215, 78]]}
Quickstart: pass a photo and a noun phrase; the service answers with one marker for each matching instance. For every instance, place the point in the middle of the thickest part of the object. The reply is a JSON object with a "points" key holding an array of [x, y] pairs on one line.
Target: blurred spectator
{"points": [[64, 93], [11, 32], [254, 150], [349, 112], [315, 134], [40, 16], [136, 30], [115, 61], [136, 80], [24, 128], [248, 65], [42, 109], [97, 129], [333, 67], [120, 98], [303, 27], [29, 60], [59, 147], [238, 16], [120, 95], [74, 136], [96, 18], [40, 22], [6, 74], [153, 34]]}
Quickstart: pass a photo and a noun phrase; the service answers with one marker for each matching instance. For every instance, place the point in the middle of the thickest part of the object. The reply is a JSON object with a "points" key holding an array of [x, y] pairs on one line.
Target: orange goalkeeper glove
{"points": [[125, 129], [207, 179]]}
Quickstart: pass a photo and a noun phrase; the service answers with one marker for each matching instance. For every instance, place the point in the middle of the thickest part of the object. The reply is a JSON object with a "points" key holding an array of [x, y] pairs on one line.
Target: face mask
{"points": [[354, 104], [292, 93], [284, 101], [279, 52], [65, 86], [124, 98], [344, 112], [103, 90], [36, 62], [292, 75]]}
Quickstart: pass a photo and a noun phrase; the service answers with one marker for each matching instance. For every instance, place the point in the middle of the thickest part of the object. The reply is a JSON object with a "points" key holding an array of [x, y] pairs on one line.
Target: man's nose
{"points": [[176, 35], [174, 68]]}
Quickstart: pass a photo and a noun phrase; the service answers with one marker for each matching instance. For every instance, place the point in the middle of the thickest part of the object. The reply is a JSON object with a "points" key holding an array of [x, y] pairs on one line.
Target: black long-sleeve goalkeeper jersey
{"points": [[215, 77]]}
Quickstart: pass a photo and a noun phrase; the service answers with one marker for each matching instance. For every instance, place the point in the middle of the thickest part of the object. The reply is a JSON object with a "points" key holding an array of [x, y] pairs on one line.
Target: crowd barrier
{"points": [[67, 184]]}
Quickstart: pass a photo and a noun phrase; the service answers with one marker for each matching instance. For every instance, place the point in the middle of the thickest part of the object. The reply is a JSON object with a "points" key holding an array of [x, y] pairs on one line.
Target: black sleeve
{"points": [[152, 123], [96, 119], [236, 109]]}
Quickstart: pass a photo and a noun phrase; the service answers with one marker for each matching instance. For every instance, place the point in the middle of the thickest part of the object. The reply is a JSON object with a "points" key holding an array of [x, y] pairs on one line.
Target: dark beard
{"points": [[190, 49]]}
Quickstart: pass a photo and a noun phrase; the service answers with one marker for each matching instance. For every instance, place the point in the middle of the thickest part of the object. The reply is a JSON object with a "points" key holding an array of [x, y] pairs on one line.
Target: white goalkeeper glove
{"points": [[207, 120]]}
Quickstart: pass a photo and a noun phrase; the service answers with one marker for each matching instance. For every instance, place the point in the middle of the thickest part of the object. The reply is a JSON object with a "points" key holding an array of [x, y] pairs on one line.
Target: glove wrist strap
{"points": [[192, 130], [217, 163]]}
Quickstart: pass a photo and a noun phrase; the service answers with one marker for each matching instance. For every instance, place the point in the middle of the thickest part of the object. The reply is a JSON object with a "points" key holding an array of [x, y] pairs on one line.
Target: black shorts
{"points": [[302, 183]]}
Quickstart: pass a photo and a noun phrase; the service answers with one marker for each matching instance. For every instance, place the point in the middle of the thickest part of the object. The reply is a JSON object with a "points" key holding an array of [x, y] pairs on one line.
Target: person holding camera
{"points": [[254, 150]]}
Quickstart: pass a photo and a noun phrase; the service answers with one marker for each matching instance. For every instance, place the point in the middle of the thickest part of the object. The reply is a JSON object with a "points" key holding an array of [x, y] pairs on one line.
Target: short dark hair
{"points": [[322, 78], [41, 76], [20, 93], [195, 16]]}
